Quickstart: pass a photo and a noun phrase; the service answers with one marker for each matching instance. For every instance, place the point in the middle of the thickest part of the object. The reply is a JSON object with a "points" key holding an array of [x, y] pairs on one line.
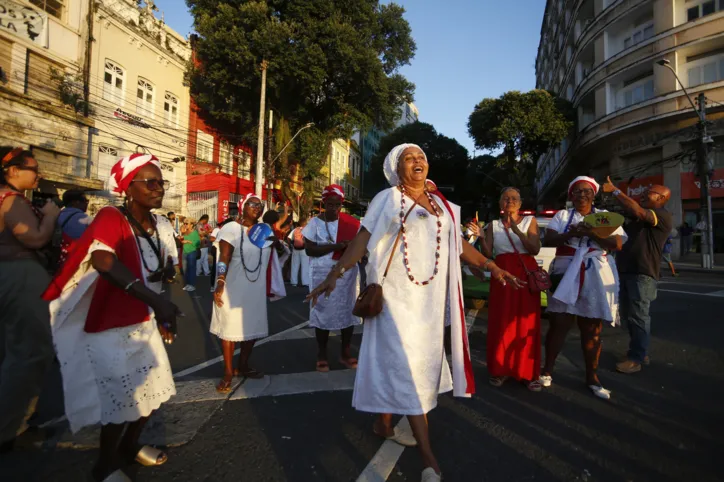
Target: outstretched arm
{"points": [[632, 207]]}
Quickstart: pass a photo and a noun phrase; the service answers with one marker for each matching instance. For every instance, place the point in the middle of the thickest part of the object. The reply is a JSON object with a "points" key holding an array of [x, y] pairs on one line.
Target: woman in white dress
{"points": [[240, 297], [325, 239], [110, 322], [585, 282], [402, 363]]}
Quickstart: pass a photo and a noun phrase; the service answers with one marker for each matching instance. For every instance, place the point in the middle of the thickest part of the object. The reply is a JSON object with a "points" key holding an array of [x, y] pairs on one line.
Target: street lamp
{"points": [[271, 163], [306, 126], [707, 259]]}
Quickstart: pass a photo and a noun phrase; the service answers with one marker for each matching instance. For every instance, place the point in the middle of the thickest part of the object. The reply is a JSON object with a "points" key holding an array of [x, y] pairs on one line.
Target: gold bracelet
{"points": [[485, 265], [221, 280]]}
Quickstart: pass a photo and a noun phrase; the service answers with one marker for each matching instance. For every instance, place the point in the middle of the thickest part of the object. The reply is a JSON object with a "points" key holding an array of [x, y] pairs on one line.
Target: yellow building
{"points": [[141, 102], [634, 120], [354, 172], [42, 53]]}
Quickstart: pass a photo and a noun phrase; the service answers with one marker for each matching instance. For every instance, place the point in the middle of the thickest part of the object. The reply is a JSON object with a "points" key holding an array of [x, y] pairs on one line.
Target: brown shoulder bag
{"points": [[538, 280], [369, 301]]}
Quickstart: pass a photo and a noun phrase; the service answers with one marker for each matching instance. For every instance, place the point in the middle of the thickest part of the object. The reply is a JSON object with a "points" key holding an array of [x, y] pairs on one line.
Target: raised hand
{"points": [[608, 185], [474, 228]]}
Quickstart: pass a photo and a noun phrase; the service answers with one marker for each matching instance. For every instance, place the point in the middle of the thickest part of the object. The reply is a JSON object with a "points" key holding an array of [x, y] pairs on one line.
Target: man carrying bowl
{"points": [[639, 264]]}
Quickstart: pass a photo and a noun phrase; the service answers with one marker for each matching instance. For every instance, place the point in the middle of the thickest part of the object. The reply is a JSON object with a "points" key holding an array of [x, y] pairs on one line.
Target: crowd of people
{"points": [[104, 318]]}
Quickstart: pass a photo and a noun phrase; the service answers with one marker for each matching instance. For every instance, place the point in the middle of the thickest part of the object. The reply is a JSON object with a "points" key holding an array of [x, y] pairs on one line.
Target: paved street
{"points": [[298, 425]]}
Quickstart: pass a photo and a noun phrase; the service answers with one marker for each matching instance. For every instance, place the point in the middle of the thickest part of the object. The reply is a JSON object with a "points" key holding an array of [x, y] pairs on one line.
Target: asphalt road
{"points": [[662, 424]]}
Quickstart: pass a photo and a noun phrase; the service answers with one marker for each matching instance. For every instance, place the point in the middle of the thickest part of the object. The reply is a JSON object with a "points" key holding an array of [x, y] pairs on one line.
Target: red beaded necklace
{"points": [[404, 238]]}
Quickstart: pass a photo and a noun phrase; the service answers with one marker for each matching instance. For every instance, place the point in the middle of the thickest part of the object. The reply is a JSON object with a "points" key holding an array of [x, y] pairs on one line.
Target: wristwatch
{"points": [[342, 270], [616, 192]]}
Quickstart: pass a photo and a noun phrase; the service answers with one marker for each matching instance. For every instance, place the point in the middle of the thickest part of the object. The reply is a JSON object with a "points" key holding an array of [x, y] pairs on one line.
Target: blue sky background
{"points": [[466, 50]]}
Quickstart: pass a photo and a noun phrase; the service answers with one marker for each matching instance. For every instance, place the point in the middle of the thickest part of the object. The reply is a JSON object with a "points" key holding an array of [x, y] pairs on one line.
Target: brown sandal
{"points": [[350, 363], [224, 385], [322, 366]]}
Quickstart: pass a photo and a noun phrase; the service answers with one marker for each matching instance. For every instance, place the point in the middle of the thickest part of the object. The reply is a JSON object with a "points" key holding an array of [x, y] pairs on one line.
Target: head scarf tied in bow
{"points": [[589, 180], [332, 190], [393, 159], [123, 171], [240, 205]]}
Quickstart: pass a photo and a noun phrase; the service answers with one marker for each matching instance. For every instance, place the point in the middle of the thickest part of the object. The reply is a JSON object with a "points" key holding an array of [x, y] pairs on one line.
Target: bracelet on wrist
{"points": [[486, 263], [221, 280], [130, 285]]}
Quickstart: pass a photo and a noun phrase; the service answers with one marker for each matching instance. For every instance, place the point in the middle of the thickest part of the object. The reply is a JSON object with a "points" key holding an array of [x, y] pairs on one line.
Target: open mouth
{"points": [[418, 169]]}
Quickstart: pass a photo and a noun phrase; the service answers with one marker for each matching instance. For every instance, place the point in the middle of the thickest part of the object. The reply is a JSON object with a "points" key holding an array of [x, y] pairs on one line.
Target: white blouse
{"points": [[501, 243]]}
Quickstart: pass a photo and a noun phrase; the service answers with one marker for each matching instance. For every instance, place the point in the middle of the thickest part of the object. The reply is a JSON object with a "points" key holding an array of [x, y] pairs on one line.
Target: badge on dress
{"points": [[422, 214]]}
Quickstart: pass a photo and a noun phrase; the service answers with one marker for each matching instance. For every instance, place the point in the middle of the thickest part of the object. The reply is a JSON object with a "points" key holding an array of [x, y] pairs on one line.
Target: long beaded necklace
{"points": [[243, 262], [404, 237], [326, 225]]}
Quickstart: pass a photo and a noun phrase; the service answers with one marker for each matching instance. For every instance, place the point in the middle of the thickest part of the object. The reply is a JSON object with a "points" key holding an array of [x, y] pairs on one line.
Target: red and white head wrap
{"points": [[245, 200], [589, 180], [123, 171], [332, 190]]}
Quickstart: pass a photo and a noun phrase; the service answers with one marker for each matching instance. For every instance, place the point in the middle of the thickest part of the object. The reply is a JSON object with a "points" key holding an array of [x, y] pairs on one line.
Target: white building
{"points": [[408, 114]]}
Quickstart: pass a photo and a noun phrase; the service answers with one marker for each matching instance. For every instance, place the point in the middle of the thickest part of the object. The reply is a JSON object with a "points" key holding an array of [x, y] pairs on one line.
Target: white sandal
{"points": [[429, 475], [401, 437], [546, 380], [600, 392]]}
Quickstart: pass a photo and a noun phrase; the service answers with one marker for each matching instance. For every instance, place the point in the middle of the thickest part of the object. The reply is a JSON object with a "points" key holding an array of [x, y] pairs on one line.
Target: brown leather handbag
{"points": [[538, 280], [369, 301]]}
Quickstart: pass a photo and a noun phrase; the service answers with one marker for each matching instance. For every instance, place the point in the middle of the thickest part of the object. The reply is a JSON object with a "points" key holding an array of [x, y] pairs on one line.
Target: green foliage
{"points": [[447, 158], [70, 91], [523, 125]]}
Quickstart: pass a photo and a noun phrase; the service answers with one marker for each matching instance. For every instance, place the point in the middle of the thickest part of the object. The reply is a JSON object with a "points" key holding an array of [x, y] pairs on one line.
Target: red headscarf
{"points": [[123, 171], [245, 200], [332, 190]]}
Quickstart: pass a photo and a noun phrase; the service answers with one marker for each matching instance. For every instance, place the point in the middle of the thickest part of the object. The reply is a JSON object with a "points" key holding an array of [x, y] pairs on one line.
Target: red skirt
{"points": [[514, 339]]}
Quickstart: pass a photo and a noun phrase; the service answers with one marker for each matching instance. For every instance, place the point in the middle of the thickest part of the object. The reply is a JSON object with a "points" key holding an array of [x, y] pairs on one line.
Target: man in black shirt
{"points": [[639, 263]]}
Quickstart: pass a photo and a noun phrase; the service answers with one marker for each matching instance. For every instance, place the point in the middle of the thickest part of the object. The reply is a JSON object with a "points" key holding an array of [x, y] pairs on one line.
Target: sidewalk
{"points": [[692, 263]]}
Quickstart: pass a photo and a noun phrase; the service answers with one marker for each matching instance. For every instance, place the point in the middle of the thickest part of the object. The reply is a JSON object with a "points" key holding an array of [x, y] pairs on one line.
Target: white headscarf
{"points": [[393, 159], [245, 200], [591, 181]]}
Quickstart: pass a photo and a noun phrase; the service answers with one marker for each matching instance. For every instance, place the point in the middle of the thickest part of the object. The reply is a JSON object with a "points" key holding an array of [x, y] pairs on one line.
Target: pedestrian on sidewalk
{"points": [[110, 322], [639, 266], [191, 252], [415, 246], [687, 233], [513, 315], [325, 239], [300, 259], [246, 275], [202, 265], [585, 282], [666, 255], [26, 346]]}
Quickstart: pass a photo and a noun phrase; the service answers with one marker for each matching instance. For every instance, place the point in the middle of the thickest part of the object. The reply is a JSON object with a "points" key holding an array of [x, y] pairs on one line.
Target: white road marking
{"points": [[715, 293], [384, 461], [295, 383], [220, 358]]}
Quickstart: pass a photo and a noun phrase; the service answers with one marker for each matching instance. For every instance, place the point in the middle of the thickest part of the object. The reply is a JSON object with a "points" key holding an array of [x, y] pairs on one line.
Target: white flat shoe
{"points": [[546, 380], [404, 438], [600, 392], [429, 475]]}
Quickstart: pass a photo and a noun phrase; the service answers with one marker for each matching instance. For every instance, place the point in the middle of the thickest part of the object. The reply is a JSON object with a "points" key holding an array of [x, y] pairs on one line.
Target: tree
{"points": [[523, 125], [330, 62], [447, 158]]}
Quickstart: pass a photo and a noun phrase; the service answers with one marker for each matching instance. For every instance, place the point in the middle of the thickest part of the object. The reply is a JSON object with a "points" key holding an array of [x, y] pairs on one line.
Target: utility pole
{"points": [[87, 60], [259, 173], [702, 157], [269, 164]]}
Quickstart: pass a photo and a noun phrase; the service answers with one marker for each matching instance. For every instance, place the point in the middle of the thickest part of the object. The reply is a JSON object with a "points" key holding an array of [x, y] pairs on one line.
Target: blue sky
{"points": [[466, 50]]}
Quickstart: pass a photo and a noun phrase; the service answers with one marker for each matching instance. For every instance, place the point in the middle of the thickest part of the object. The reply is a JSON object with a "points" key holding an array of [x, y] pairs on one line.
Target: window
{"points": [[113, 83], [636, 91], [53, 7], [243, 160], [703, 9], [170, 110], [226, 155], [144, 98], [706, 69], [107, 157], [639, 34], [204, 147]]}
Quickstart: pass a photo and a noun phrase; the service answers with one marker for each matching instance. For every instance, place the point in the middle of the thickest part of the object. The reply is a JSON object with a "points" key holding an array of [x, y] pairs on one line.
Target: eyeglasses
{"points": [[154, 184], [582, 192], [254, 205]]}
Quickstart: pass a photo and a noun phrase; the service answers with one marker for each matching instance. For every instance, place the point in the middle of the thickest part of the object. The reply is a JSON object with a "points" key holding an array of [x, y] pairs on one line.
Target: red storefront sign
{"points": [[691, 187], [637, 186]]}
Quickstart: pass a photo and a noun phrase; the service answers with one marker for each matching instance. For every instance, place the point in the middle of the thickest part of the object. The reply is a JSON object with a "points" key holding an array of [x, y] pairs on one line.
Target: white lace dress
{"points": [[597, 295], [335, 312], [402, 365], [243, 315], [118, 375]]}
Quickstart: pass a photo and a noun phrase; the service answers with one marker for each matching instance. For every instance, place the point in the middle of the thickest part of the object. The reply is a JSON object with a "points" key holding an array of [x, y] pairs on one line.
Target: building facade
{"points": [[138, 92], [634, 121], [354, 172], [42, 53]]}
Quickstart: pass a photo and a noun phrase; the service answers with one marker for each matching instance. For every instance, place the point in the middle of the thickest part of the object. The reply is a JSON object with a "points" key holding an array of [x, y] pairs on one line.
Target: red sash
{"points": [[111, 307], [347, 229]]}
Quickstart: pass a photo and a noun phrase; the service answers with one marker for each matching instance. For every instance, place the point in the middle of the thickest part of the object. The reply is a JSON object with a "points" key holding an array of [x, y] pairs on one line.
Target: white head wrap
{"points": [[586, 179], [393, 159]]}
